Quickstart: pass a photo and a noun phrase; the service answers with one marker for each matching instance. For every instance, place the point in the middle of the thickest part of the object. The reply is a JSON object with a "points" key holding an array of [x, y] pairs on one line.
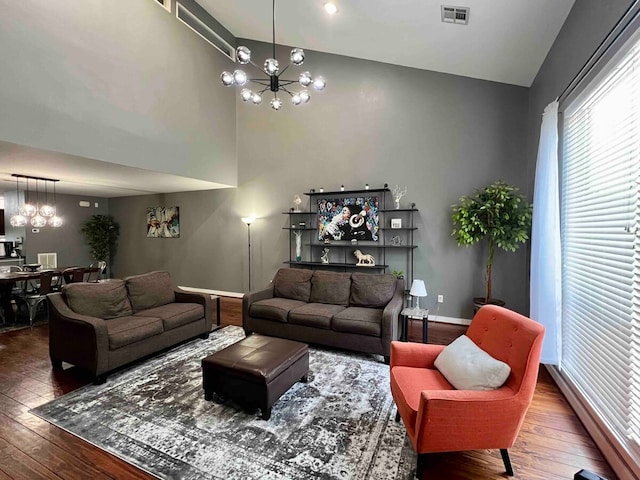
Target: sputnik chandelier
{"points": [[38, 215], [274, 82]]}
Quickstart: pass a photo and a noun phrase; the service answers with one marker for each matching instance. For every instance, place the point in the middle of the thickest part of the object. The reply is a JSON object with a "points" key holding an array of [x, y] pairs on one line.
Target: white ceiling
{"points": [[505, 41]]}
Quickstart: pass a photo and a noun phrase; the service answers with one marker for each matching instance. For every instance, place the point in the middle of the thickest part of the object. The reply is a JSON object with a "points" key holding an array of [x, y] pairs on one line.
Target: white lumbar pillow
{"points": [[467, 367]]}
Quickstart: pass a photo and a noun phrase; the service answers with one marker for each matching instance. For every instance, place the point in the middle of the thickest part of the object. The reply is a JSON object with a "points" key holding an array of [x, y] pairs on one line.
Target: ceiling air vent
{"points": [[455, 14]]}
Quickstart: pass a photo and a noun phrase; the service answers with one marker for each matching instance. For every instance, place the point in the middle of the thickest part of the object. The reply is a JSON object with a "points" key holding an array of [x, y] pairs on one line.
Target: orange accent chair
{"points": [[439, 418]]}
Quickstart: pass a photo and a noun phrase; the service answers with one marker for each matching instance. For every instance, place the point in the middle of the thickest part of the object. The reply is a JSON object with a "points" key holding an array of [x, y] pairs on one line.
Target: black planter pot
{"points": [[479, 302]]}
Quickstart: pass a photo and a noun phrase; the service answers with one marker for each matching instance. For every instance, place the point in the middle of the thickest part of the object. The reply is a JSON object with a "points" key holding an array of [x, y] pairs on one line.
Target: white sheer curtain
{"points": [[546, 285]]}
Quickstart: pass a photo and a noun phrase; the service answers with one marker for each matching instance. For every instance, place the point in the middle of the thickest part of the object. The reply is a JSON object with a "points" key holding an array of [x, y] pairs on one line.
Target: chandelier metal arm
{"points": [[285, 68], [286, 90], [260, 81], [288, 82]]}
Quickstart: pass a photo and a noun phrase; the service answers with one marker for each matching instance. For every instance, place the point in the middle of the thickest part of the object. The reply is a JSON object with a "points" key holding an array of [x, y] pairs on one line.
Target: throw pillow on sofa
{"points": [[293, 283], [150, 290], [371, 290], [102, 300]]}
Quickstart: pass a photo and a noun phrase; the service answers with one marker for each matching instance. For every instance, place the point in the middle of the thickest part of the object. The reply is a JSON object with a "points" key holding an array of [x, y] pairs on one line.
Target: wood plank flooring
{"points": [[552, 443]]}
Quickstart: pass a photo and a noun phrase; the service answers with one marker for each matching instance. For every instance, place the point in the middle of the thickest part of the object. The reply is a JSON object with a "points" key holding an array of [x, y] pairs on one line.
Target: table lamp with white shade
{"points": [[418, 289]]}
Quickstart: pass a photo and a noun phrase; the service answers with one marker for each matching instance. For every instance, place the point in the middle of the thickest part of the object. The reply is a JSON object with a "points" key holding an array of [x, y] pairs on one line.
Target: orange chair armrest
{"points": [[411, 354]]}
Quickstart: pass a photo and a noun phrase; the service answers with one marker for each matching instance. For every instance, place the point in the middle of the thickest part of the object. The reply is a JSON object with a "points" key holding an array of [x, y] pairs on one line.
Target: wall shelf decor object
{"points": [[348, 220]]}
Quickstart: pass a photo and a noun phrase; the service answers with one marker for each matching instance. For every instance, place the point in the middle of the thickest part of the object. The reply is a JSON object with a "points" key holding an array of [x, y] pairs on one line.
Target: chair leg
{"points": [[507, 461], [397, 415], [420, 461]]}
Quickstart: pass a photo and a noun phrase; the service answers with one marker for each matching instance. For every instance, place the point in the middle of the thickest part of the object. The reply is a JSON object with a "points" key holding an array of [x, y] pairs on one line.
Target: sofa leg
{"points": [[204, 336], [387, 360], [100, 379], [266, 413], [305, 378], [247, 332], [56, 365], [208, 395], [507, 461]]}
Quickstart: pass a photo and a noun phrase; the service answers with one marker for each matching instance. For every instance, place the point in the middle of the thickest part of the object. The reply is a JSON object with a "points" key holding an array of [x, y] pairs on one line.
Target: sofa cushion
{"points": [[174, 315], [330, 287], [292, 283], [371, 290], [359, 320], [150, 290], [123, 331], [103, 300], [316, 315], [274, 308]]}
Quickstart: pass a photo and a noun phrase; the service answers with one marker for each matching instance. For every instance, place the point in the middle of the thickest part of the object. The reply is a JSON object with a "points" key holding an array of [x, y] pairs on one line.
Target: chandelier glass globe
{"points": [[297, 56], [256, 99], [38, 221], [226, 78], [18, 220], [47, 210], [296, 99], [243, 55], [271, 66], [246, 94], [304, 95], [239, 77], [276, 103], [28, 210], [305, 79], [319, 83], [55, 221]]}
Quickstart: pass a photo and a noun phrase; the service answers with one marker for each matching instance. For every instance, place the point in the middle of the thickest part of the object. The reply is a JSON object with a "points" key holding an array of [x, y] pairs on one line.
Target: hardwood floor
{"points": [[552, 443]]}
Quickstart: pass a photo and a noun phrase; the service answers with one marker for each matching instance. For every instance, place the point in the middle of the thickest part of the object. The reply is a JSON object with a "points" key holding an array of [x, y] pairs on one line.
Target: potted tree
{"points": [[101, 233], [497, 213]]}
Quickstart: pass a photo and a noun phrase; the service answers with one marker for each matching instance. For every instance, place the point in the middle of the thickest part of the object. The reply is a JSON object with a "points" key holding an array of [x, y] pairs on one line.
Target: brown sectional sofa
{"points": [[354, 311], [102, 326]]}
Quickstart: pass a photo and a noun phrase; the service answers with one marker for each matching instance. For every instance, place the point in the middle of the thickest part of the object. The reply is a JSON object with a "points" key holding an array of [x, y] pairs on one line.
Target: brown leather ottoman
{"points": [[256, 371]]}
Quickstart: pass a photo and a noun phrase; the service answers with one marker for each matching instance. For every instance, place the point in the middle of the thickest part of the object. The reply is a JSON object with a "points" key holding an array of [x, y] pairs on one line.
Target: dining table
{"points": [[9, 279]]}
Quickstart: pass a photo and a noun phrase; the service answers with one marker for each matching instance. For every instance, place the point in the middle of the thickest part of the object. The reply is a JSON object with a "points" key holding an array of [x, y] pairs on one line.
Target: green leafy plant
{"points": [[101, 233], [499, 214], [398, 273]]}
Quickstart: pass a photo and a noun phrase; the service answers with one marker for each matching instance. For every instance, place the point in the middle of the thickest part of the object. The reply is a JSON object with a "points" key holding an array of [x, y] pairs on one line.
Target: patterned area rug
{"points": [[339, 425]]}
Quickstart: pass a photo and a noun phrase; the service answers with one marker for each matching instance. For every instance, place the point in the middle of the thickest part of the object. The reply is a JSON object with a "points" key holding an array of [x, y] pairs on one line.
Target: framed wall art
{"points": [[163, 222], [352, 218]]}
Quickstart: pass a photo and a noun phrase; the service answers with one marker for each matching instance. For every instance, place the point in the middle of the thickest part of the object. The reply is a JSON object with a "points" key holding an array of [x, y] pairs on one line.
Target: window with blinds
{"points": [[600, 218]]}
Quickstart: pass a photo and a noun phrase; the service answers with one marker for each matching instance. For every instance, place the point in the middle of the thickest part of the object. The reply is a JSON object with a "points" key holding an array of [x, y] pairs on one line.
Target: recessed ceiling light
{"points": [[331, 8]]}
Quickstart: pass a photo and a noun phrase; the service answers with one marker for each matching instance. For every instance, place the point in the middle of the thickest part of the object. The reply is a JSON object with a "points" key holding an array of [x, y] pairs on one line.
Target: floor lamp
{"points": [[249, 221]]}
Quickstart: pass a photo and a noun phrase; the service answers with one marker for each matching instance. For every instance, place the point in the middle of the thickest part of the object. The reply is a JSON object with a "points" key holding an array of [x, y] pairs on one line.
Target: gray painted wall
{"points": [[67, 241], [440, 135], [120, 81]]}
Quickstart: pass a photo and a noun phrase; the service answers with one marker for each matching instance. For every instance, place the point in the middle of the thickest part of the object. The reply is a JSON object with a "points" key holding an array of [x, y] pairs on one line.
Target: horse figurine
{"points": [[364, 260]]}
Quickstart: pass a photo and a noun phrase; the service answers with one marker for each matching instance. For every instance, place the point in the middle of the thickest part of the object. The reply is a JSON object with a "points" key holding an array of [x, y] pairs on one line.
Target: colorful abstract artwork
{"points": [[163, 222], [353, 218]]}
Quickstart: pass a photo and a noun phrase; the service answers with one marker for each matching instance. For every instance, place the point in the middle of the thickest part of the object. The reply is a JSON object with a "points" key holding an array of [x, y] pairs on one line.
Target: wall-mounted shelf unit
{"points": [[393, 244]]}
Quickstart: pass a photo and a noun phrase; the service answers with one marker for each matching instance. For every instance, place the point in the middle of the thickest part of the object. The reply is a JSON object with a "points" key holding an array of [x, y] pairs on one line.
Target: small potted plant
{"points": [[497, 213]]}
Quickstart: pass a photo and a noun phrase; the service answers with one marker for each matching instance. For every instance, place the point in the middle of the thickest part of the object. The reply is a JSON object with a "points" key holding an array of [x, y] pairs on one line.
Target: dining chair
{"points": [[73, 274], [35, 298]]}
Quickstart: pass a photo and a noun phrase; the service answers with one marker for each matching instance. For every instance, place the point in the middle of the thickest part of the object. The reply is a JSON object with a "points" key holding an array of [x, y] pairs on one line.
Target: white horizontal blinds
{"points": [[601, 264]]}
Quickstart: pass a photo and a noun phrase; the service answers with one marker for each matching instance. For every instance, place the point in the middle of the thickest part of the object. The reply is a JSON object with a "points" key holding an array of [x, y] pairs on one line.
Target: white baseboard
{"points": [[219, 293]]}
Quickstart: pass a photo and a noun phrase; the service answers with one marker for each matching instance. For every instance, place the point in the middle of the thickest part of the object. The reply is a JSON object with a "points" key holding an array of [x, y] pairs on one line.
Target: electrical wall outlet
{"points": [[440, 298]]}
